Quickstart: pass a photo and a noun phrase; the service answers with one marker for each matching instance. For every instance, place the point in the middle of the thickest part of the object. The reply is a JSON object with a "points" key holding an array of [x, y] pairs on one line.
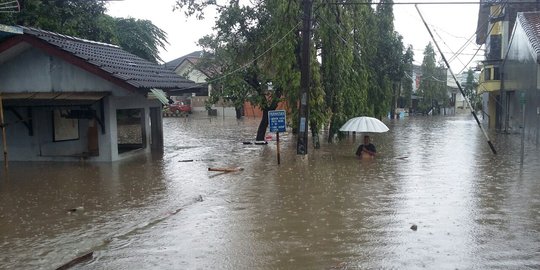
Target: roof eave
{"points": [[68, 57]]}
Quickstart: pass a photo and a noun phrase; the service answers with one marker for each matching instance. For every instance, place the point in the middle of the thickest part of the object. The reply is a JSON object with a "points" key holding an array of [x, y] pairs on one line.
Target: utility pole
{"points": [[457, 82], [3, 127], [303, 110]]}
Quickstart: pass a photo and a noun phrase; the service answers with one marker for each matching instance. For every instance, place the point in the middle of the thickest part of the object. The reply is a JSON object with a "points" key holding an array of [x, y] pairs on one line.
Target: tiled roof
{"points": [[134, 70], [176, 62], [530, 21]]}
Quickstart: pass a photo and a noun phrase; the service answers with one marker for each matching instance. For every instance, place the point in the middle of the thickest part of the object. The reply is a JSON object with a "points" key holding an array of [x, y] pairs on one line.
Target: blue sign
{"points": [[277, 120]]}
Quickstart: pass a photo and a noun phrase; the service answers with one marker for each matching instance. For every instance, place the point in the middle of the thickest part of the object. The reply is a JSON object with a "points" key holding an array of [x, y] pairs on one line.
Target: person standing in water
{"points": [[367, 149]]}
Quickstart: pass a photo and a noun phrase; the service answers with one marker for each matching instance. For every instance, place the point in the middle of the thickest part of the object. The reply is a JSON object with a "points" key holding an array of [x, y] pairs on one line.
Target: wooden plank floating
{"points": [[86, 257], [237, 169], [192, 160]]}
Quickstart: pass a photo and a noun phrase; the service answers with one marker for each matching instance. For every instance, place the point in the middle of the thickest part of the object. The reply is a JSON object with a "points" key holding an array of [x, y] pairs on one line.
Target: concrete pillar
{"points": [[108, 142]]}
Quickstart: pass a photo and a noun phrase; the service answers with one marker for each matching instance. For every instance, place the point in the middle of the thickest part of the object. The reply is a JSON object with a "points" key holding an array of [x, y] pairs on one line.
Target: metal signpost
{"points": [[3, 127], [277, 123], [522, 101]]}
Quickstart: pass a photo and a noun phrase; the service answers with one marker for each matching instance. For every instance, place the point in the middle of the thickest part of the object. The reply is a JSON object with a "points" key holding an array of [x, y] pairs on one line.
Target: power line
{"points": [[248, 63], [454, 53], [457, 82], [429, 3], [420, 50], [499, 9]]}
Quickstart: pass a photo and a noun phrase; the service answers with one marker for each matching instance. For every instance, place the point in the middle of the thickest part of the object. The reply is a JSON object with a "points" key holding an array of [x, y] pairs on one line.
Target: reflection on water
{"points": [[327, 211]]}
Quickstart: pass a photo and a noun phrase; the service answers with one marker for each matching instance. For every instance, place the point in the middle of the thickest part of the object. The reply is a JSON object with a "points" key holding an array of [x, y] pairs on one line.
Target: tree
{"points": [[338, 52], [252, 50], [354, 68], [140, 37], [470, 91], [407, 80], [69, 17], [432, 83], [388, 60], [87, 19]]}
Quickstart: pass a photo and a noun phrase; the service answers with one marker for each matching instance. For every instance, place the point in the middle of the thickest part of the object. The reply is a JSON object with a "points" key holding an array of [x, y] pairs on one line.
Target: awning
{"points": [[159, 94]]}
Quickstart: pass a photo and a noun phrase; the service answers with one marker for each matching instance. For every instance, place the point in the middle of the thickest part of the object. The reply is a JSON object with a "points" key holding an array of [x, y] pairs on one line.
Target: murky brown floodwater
{"points": [[473, 210]]}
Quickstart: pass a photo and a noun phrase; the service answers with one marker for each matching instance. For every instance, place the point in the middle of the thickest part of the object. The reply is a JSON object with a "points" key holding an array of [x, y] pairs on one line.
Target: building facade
{"points": [[496, 21], [521, 82]]}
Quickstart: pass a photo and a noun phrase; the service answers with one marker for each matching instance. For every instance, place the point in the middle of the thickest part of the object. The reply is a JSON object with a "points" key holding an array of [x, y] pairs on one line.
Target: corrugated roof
{"points": [[134, 70], [530, 21]]}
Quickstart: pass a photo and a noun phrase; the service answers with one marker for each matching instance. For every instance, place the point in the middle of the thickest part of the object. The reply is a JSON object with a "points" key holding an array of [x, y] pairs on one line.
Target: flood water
{"points": [[472, 209]]}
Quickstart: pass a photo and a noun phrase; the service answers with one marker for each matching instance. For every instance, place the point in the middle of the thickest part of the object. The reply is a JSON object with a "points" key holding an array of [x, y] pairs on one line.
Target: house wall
{"points": [[41, 146], [489, 105], [190, 73], [251, 110], [109, 140], [521, 100], [461, 106], [48, 74], [35, 72], [224, 111]]}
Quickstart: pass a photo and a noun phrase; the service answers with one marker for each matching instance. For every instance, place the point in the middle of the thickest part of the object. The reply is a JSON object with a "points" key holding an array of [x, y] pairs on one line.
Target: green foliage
{"points": [[69, 17], [87, 19], [357, 59], [386, 61], [140, 37], [432, 83], [407, 80], [250, 50], [470, 88]]}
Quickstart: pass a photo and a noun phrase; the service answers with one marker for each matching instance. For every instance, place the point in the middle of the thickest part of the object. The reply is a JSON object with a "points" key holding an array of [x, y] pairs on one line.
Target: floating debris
{"points": [[77, 209], [237, 169], [414, 227], [192, 160], [86, 257]]}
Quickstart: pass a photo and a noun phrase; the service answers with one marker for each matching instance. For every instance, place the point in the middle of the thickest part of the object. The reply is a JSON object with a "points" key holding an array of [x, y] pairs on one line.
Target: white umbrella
{"points": [[364, 124]]}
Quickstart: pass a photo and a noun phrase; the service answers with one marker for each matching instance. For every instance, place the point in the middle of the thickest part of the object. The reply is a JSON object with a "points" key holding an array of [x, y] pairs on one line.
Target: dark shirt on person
{"points": [[370, 147]]}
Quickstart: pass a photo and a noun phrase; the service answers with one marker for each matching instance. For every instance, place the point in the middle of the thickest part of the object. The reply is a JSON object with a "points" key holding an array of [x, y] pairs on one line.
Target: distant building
{"points": [[415, 78], [459, 102], [190, 66]]}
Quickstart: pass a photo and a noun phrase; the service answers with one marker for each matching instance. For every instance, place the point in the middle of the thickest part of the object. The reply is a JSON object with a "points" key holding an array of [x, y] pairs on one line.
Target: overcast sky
{"points": [[452, 26]]}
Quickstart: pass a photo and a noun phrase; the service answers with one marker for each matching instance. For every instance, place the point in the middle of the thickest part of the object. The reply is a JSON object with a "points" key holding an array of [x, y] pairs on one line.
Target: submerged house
{"points": [[521, 81], [66, 98]]}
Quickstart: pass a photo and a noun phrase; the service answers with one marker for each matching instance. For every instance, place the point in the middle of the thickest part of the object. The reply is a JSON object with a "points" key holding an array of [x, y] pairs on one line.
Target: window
{"points": [[494, 48], [64, 129], [130, 130], [496, 73], [487, 74]]}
